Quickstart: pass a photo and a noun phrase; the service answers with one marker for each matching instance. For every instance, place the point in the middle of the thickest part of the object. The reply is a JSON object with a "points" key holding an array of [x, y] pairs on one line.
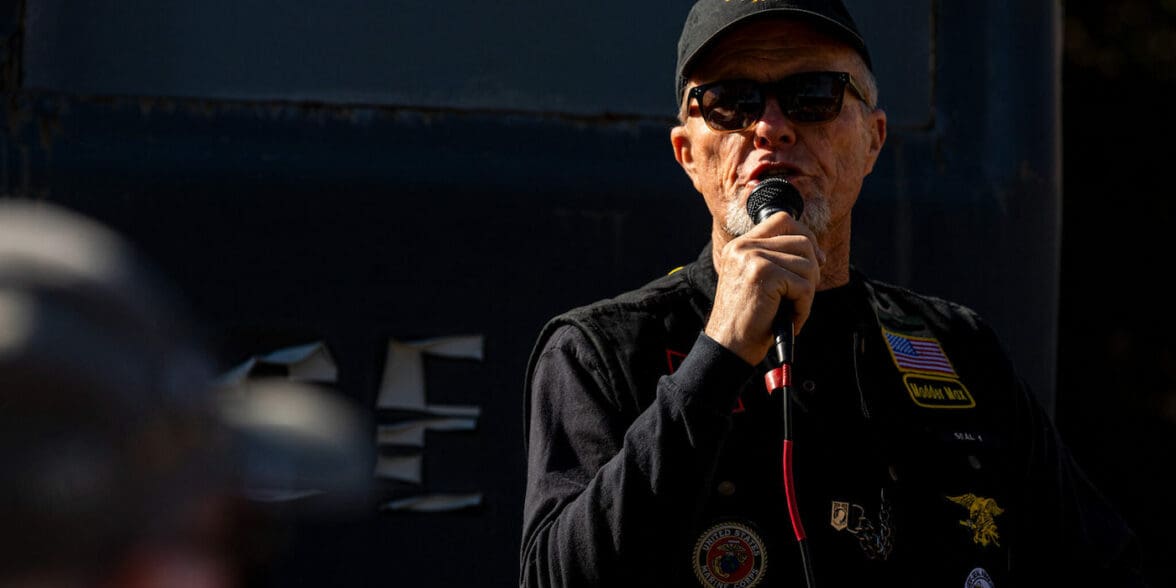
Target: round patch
{"points": [[979, 578], [730, 555]]}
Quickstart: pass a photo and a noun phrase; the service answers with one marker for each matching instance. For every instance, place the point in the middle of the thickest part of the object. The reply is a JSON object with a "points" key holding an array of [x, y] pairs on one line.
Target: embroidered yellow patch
{"points": [[934, 392], [982, 513]]}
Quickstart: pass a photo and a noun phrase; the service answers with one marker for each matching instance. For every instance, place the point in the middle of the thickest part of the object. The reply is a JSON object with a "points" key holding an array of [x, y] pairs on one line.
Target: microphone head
{"points": [[772, 195]]}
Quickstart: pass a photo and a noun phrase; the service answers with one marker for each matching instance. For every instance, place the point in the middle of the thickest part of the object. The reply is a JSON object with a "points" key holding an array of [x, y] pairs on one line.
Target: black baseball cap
{"points": [[709, 19]]}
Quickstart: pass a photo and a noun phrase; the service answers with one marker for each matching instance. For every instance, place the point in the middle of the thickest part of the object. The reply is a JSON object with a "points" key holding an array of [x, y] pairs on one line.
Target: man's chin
{"points": [[738, 222], [816, 216]]}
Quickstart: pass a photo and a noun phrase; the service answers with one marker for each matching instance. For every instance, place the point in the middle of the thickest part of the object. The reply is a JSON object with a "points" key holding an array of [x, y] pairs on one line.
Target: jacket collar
{"points": [[702, 276]]}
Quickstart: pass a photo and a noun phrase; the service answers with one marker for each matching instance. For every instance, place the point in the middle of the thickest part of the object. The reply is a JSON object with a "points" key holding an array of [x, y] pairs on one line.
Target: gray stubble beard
{"points": [[816, 216]]}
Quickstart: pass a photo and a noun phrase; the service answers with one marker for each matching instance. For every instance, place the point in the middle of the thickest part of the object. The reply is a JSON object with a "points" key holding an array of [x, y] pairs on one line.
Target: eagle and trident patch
{"points": [[981, 521]]}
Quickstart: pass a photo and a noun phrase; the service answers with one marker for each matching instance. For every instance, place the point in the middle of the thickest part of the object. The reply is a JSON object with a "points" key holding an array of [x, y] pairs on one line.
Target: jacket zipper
{"points": [[859, 346]]}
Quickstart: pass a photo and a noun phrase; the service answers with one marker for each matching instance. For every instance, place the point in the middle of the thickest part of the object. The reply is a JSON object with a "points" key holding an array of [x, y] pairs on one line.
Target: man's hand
{"points": [[778, 260]]}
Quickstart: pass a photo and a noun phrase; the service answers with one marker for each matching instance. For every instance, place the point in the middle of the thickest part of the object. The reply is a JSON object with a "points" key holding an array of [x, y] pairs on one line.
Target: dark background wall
{"points": [[1117, 376], [358, 172]]}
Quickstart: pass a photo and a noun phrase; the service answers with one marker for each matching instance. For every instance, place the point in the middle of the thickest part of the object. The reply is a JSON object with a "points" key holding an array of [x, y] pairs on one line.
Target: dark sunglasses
{"points": [[805, 98]]}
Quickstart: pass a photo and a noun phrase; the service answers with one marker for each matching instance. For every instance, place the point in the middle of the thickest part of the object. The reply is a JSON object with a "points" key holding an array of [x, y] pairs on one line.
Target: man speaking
{"points": [[671, 439]]}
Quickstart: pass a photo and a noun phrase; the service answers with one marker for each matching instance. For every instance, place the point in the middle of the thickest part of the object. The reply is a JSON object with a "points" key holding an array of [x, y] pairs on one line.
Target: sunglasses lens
{"points": [[731, 105], [812, 98], [735, 105]]}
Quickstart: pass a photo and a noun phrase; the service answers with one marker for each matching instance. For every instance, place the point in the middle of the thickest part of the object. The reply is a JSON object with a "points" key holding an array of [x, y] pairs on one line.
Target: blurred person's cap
{"points": [[106, 426], [112, 431]]}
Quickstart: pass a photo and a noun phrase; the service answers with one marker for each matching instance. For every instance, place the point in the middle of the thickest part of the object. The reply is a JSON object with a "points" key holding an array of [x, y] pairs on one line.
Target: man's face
{"points": [[825, 161]]}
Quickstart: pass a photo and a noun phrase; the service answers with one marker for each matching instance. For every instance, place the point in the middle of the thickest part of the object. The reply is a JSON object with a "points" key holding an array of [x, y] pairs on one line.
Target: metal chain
{"points": [[886, 545], [877, 544]]}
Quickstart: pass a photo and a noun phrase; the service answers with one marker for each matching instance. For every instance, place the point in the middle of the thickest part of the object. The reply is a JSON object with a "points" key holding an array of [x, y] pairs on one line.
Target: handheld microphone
{"points": [[772, 195]]}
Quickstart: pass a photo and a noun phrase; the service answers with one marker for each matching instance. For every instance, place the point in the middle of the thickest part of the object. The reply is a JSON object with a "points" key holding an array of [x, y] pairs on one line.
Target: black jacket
{"points": [[654, 454]]}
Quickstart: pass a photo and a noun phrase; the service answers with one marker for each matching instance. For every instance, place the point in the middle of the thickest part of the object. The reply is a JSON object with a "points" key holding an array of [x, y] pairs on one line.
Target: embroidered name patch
{"points": [[730, 555], [930, 392], [928, 375]]}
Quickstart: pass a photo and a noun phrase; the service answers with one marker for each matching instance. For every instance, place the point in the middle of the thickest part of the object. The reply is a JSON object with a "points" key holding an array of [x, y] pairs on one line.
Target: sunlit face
{"points": [[825, 161]]}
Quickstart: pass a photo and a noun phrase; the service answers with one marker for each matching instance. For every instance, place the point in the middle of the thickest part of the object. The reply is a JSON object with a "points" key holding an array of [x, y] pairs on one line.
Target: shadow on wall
{"points": [[1127, 426], [1117, 388]]}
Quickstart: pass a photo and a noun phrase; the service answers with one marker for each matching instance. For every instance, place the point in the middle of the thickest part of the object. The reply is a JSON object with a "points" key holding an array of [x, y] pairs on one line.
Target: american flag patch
{"points": [[918, 354]]}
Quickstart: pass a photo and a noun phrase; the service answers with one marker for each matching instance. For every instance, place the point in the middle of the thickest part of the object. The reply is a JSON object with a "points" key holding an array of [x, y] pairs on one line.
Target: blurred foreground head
{"points": [[121, 462], [108, 439]]}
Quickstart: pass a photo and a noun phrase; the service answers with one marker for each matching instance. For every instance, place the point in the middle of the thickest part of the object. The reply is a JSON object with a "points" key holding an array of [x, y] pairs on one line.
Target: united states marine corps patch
{"points": [[979, 578], [730, 555]]}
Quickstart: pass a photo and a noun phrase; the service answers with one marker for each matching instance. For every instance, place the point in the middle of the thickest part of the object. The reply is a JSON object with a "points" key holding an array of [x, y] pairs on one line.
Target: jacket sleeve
{"points": [[610, 494]]}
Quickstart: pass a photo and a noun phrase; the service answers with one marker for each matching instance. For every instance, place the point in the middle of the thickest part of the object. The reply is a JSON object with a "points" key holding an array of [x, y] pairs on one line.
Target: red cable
{"points": [[780, 378], [790, 492]]}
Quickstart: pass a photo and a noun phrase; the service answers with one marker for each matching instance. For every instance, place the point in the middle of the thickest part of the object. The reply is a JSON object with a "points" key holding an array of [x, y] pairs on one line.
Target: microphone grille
{"points": [[772, 195]]}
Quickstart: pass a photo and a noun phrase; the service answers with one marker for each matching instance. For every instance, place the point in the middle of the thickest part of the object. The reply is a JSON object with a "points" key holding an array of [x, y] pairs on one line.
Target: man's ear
{"points": [[877, 132], [680, 139]]}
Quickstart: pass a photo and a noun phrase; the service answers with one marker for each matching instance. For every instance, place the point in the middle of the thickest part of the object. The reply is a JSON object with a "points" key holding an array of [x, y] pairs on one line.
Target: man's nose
{"points": [[774, 128]]}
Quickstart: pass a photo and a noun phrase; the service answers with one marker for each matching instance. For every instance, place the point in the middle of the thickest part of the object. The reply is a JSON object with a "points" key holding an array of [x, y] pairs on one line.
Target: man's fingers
{"points": [[757, 273]]}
